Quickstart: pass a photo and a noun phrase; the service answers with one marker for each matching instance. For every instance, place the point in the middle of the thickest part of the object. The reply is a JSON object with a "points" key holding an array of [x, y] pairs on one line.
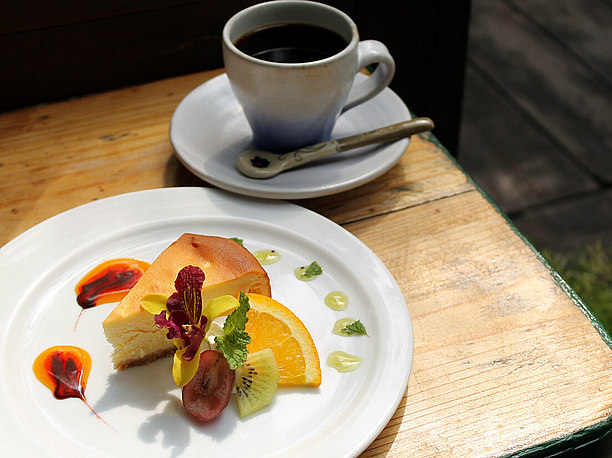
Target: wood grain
{"points": [[520, 165], [521, 56], [91, 148], [562, 98], [66, 154], [421, 175], [505, 360], [582, 26], [569, 224]]}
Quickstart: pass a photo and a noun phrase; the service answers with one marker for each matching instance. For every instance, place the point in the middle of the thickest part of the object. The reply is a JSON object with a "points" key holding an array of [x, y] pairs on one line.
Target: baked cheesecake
{"points": [[229, 268]]}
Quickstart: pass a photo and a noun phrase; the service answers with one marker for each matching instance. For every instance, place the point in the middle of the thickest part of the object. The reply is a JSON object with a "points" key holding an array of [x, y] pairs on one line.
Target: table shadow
{"points": [[147, 387]]}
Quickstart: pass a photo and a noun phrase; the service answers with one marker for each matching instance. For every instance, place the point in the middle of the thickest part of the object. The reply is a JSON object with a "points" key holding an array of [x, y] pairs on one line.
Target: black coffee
{"points": [[291, 43]]}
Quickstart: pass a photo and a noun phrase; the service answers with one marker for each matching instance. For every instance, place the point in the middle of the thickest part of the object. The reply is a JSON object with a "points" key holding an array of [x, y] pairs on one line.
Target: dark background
{"points": [[54, 50]]}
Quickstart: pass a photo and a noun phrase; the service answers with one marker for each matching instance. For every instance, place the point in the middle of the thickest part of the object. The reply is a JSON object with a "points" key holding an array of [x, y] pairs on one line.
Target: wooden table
{"points": [[506, 359]]}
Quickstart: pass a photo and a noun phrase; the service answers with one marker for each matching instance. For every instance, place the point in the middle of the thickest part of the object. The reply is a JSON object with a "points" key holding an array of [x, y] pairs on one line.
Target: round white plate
{"points": [[209, 130], [38, 273]]}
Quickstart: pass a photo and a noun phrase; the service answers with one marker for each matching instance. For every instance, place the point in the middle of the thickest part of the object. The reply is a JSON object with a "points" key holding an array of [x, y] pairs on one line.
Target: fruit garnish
{"points": [[256, 382], [272, 325], [208, 392], [261, 342]]}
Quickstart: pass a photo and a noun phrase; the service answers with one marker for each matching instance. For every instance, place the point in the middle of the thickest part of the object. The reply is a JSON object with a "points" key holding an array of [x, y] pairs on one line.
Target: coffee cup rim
{"points": [[229, 43]]}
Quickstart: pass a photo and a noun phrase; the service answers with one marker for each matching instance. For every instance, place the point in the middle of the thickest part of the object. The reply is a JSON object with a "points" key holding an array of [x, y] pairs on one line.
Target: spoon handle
{"points": [[385, 134]]}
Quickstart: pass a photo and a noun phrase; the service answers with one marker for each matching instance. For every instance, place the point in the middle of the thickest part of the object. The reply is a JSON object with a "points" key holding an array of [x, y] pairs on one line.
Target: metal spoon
{"points": [[264, 164]]}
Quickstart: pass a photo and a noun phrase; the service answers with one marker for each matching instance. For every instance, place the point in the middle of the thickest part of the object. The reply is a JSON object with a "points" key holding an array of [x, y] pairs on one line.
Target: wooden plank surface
{"points": [[531, 173], [582, 26], [505, 359], [91, 154], [519, 165], [88, 149], [422, 175], [569, 224], [562, 98], [496, 362]]}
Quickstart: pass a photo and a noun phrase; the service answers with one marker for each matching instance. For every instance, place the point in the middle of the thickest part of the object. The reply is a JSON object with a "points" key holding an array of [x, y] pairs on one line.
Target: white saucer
{"points": [[209, 130]]}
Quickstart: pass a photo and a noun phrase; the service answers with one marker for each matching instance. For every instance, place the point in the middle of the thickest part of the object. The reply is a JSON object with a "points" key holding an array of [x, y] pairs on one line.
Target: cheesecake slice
{"points": [[229, 268]]}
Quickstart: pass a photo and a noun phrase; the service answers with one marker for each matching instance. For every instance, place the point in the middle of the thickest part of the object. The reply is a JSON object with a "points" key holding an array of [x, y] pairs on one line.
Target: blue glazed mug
{"points": [[293, 104]]}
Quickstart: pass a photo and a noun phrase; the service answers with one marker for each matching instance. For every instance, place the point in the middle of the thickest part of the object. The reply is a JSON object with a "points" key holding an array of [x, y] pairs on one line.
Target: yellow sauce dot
{"points": [[343, 362], [336, 300], [341, 323], [300, 274], [266, 257]]}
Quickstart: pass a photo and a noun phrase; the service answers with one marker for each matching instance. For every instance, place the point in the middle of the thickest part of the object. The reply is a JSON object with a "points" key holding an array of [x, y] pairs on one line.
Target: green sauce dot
{"points": [[343, 362], [266, 257], [336, 300], [341, 323], [300, 274]]}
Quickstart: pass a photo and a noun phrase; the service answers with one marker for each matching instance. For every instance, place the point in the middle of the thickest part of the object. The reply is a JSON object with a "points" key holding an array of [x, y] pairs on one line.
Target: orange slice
{"points": [[272, 325]]}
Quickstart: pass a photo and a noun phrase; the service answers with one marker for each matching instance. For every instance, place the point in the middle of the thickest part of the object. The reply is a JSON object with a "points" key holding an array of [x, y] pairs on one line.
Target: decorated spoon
{"points": [[264, 164]]}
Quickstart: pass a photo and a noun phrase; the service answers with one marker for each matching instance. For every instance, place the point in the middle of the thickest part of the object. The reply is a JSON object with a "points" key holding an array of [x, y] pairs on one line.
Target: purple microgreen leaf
{"points": [[175, 302], [185, 322], [203, 322], [195, 335], [188, 284], [174, 330]]}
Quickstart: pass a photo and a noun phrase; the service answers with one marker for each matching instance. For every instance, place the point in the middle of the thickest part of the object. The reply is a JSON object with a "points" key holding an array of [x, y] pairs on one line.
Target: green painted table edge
{"points": [[583, 437]]}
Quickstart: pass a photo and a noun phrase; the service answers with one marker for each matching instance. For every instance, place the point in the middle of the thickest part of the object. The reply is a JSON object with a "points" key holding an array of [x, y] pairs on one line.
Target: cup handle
{"points": [[371, 52]]}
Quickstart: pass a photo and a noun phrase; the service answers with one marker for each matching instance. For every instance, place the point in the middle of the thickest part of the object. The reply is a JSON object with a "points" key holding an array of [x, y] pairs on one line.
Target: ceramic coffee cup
{"points": [[296, 102]]}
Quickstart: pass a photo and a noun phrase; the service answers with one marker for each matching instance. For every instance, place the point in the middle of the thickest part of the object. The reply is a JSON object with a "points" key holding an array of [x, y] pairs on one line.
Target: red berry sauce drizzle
{"points": [[64, 369], [108, 282]]}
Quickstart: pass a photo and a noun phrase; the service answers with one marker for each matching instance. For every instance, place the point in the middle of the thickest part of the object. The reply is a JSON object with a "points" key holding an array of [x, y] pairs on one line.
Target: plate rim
{"points": [[8, 249]]}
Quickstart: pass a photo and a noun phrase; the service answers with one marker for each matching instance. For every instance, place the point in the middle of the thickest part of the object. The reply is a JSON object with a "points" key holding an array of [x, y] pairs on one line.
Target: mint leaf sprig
{"points": [[313, 269], [234, 340], [355, 328]]}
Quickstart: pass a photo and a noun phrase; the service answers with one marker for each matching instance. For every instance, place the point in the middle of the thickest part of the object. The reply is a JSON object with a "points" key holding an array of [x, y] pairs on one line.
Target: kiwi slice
{"points": [[256, 382]]}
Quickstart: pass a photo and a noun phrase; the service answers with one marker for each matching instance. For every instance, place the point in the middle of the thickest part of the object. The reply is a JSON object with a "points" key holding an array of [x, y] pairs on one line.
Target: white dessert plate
{"points": [[141, 407], [209, 130]]}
